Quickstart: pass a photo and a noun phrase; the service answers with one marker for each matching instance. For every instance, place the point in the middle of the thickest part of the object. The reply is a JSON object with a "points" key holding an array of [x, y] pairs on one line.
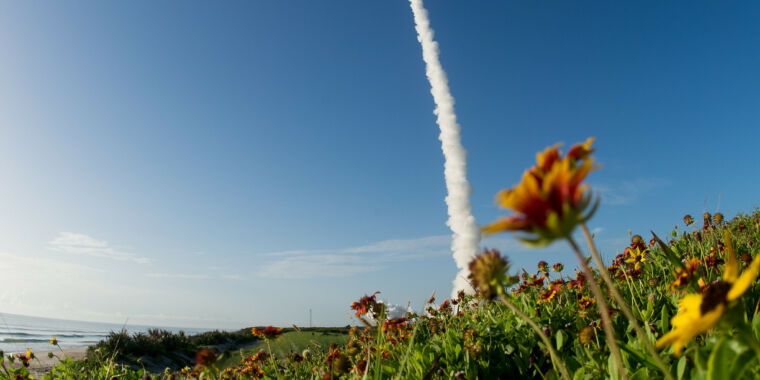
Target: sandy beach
{"points": [[42, 364]]}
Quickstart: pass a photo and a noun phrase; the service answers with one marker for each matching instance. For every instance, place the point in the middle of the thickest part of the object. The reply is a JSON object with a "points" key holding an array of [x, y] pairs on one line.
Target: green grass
{"points": [[292, 341]]}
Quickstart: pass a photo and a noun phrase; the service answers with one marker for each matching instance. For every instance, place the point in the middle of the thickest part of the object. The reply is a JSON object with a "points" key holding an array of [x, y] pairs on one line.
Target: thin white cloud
{"points": [[295, 252], [355, 260], [48, 267], [629, 191], [81, 244], [320, 265], [397, 245], [184, 276]]}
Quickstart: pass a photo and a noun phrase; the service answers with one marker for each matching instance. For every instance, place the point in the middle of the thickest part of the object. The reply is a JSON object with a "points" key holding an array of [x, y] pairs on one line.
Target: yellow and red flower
{"points": [[205, 357], [396, 329], [586, 302], [578, 282], [551, 200], [261, 355], [267, 333], [365, 304], [547, 296]]}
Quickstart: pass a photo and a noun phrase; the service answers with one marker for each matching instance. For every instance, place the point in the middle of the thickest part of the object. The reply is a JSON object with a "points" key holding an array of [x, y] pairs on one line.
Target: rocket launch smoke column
{"points": [[465, 233]]}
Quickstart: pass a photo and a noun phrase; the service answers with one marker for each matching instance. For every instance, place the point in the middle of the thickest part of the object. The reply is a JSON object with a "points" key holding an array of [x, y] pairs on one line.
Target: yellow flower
{"points": [[54, 341], [636, 257], [698, 313], [551, 198]]}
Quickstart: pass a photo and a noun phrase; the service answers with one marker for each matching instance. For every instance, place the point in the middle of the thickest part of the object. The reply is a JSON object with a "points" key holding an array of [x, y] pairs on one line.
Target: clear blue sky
{"points": [[237, 163]]}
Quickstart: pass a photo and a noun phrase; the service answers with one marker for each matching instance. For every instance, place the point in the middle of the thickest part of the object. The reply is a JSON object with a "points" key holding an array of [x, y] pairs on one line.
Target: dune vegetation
{"points": [[681, 306]]}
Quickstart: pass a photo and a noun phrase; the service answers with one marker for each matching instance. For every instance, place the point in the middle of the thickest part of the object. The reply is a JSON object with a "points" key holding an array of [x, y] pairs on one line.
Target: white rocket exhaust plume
{"points": [[465, 234]]}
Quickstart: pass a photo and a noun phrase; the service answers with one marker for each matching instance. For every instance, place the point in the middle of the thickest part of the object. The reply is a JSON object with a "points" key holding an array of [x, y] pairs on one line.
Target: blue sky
{"points": [[239, 163]]}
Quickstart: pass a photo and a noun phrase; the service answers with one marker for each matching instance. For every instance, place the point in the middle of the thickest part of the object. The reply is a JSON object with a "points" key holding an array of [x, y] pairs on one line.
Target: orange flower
{"points": [[396, 329], [551, 199], [578, 282], [259, 356], [684, 275], [547, 296], [395, 323], [365, 304], [682, 278], [692, 265], [24, 358], [205, 357], [557, 284], [586, 302], [268, 333]]}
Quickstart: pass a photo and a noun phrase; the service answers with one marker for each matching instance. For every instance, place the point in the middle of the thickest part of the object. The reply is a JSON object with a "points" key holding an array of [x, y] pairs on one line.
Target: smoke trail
{"points": [[465, 234]]}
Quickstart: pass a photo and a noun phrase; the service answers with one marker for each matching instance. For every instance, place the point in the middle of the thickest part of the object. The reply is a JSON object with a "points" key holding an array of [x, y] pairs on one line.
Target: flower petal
{"points": [[732, 264], [509, 223], [689, 323], [581, 151], [745, 280]]}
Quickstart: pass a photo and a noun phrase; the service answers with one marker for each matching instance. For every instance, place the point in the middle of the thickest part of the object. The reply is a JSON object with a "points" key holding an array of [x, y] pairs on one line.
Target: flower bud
{"points": [[706, 220], [586, 335]]}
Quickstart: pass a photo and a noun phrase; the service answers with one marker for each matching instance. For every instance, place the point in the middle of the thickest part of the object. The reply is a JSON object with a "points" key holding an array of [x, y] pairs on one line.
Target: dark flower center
{"points": [[714, 295]]}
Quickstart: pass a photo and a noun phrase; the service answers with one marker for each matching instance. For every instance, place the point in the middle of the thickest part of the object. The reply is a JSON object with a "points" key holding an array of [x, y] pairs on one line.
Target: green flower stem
{"points": [[558, 363], [623, 305], [271, 357], [603, 309]]}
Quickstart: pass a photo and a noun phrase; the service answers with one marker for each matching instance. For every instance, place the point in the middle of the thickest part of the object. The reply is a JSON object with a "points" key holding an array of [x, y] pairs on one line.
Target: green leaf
{"points": [[673, 257], [650, 309], [664, 319], [612, 368], [681, 369], [560, 337], [644, 359], [741, 364], [756, 325], [580, 374], [641, 374], [720, 360]]}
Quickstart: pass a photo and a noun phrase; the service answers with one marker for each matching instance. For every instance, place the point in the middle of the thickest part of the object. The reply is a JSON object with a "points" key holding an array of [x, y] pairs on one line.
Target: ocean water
{"points": [[19, 332]]}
